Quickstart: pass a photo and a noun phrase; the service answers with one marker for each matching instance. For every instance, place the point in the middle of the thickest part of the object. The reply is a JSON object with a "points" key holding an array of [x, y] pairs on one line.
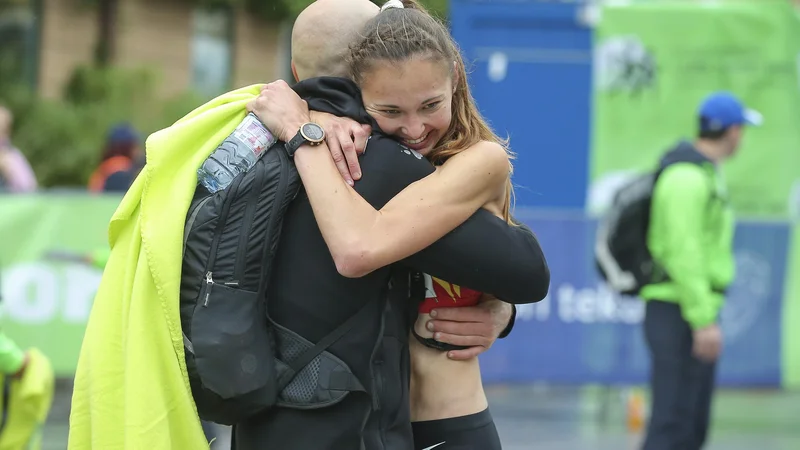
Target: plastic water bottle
{"points": [[237, 153]]}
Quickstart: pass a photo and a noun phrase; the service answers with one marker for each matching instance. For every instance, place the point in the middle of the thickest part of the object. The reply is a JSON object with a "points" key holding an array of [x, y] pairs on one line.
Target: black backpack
{"points": [[229, 239], [621, 253], [239, 361]]}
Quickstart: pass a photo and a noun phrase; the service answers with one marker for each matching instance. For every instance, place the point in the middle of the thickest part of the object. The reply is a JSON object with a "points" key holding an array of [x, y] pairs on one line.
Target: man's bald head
{"points": [[323, 33]]}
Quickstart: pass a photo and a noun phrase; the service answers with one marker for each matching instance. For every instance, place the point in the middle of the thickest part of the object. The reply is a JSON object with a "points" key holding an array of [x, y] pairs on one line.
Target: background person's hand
{"points": [[280, 109], [474, 326], [21, 370], [346, 139], [707, 343]]}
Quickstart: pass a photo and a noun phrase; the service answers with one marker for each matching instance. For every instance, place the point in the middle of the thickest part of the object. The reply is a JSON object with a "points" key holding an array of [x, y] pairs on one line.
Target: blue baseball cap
{"points": [[721, 110], [122, 133]]}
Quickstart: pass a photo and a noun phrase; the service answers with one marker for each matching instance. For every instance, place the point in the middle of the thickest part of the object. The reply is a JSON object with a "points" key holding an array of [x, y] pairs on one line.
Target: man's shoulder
{"points": [[682, 183], [685, 175], [387, 168], [384, 150]]}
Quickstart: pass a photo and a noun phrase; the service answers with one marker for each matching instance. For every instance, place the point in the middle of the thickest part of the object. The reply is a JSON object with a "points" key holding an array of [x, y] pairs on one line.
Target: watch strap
{"points": [[295, 143]]}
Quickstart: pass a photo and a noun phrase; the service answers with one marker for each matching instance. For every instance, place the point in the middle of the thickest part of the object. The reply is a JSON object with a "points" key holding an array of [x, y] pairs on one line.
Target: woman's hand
{"points": [[280, 109], [346, 139]]}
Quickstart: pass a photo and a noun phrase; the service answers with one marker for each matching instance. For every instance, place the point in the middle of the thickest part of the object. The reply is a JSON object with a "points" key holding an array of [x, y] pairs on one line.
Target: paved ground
{"points": [[547, 418]]}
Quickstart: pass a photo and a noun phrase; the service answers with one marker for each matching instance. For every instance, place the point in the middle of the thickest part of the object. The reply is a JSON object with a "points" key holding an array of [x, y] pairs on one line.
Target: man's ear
{"points": [[294, 72]]}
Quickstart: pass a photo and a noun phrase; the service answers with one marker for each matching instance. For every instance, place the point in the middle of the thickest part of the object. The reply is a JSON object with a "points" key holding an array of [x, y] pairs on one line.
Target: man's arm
{"points": [[484, 253], [679, 202]]}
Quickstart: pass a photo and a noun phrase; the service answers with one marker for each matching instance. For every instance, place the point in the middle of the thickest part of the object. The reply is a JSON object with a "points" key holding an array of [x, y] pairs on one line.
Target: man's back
{"points": [[310, 298]]}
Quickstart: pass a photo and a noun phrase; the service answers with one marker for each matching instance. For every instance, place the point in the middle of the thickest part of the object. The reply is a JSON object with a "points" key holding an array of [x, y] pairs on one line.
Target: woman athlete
{"points": [[414, 85]]}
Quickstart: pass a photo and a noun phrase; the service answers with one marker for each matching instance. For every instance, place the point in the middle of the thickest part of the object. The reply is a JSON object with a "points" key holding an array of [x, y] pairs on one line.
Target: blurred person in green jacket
{"points": [[28, 384], [690, 237], [13, 359], [26, 394]]}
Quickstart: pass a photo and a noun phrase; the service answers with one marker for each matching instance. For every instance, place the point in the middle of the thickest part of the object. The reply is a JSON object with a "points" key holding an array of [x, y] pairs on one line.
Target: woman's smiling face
{"points": [[411, 100]]}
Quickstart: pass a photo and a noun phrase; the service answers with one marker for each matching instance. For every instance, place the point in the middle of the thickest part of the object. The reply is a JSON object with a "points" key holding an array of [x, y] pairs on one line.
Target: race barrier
{"points": [[581, 333]]}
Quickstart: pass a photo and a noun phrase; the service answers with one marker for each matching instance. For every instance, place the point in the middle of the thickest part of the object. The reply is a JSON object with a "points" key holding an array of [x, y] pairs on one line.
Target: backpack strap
{"points": [[344, 381]]}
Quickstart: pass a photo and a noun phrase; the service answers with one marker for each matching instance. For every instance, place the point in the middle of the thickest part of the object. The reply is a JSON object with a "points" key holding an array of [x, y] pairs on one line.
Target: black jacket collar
{"points": [[338, 96]]}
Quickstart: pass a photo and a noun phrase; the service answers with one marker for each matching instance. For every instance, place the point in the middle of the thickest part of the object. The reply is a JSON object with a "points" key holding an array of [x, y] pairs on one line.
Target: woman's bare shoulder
{"points": [[486, 154]]}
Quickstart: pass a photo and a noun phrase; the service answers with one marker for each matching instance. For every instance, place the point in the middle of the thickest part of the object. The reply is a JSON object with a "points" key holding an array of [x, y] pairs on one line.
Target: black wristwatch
{"points": [[310, 133]]}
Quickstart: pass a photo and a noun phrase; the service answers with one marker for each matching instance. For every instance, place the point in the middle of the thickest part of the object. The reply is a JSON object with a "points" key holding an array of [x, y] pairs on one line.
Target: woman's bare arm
{"points": [[362, 239]]}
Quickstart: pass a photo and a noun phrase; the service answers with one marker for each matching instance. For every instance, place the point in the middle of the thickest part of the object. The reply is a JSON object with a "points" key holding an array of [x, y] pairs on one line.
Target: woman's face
{"points": [[411, 100]]}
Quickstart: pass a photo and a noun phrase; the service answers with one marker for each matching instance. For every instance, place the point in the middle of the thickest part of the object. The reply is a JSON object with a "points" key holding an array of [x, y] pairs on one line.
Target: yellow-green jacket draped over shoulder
{"points": [[131, 387]]}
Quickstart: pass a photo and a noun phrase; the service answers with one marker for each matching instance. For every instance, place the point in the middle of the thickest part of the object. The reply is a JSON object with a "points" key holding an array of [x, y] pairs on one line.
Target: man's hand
{"points": [[280, 109], [346, 139], [707, 343], [475, 326]]}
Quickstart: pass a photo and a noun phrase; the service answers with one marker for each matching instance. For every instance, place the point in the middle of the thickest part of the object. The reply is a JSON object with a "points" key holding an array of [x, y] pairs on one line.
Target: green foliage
{"points": [[63, 139]]}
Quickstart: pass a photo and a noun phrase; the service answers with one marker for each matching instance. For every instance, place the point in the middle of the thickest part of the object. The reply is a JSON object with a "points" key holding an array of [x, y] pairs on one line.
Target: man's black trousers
{"points": [[681, 385]]}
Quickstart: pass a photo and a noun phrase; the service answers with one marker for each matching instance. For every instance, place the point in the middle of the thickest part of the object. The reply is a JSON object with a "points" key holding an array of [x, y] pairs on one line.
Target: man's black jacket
{"points": [[309, 297]]}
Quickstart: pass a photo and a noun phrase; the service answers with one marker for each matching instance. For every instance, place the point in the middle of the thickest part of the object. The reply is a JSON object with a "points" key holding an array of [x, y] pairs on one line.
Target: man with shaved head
{"points": [[364, 403], [322, 34]]}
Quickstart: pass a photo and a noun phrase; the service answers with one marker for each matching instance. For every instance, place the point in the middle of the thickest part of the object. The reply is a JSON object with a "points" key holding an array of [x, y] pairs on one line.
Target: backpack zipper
{"points": [[209, 280], [209, 285]]}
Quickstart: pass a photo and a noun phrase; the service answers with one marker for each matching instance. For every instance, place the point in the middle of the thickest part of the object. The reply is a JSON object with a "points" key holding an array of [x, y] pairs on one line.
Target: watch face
{"points": [[313, 132]]}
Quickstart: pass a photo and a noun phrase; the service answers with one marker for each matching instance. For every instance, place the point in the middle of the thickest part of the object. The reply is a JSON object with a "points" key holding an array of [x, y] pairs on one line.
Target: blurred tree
{"points": [[107, 12], [107, 32], [62, 137]]}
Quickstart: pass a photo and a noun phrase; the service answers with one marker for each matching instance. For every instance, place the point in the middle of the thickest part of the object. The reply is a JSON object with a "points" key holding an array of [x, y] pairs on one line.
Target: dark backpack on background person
{"points": [[621, 253]]}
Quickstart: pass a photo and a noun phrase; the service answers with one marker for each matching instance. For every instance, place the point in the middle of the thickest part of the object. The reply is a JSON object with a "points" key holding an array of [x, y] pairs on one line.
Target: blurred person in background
{"points": [[122, 158], [16, 174], [122, 180], [691, 238], [26, 394]]}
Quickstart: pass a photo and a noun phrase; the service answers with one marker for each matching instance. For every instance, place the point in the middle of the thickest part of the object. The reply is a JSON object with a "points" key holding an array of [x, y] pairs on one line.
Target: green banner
{"points": [[655, 61], [791, 316], [45, 301]]}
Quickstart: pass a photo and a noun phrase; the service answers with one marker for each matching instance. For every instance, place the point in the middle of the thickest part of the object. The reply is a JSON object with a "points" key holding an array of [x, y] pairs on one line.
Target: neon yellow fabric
{"points": [[131, 387], [29, 403]]}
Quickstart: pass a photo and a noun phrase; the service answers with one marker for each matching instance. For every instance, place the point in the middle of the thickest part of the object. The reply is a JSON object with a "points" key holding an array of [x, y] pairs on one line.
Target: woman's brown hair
{"points": [[398, 34]]}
